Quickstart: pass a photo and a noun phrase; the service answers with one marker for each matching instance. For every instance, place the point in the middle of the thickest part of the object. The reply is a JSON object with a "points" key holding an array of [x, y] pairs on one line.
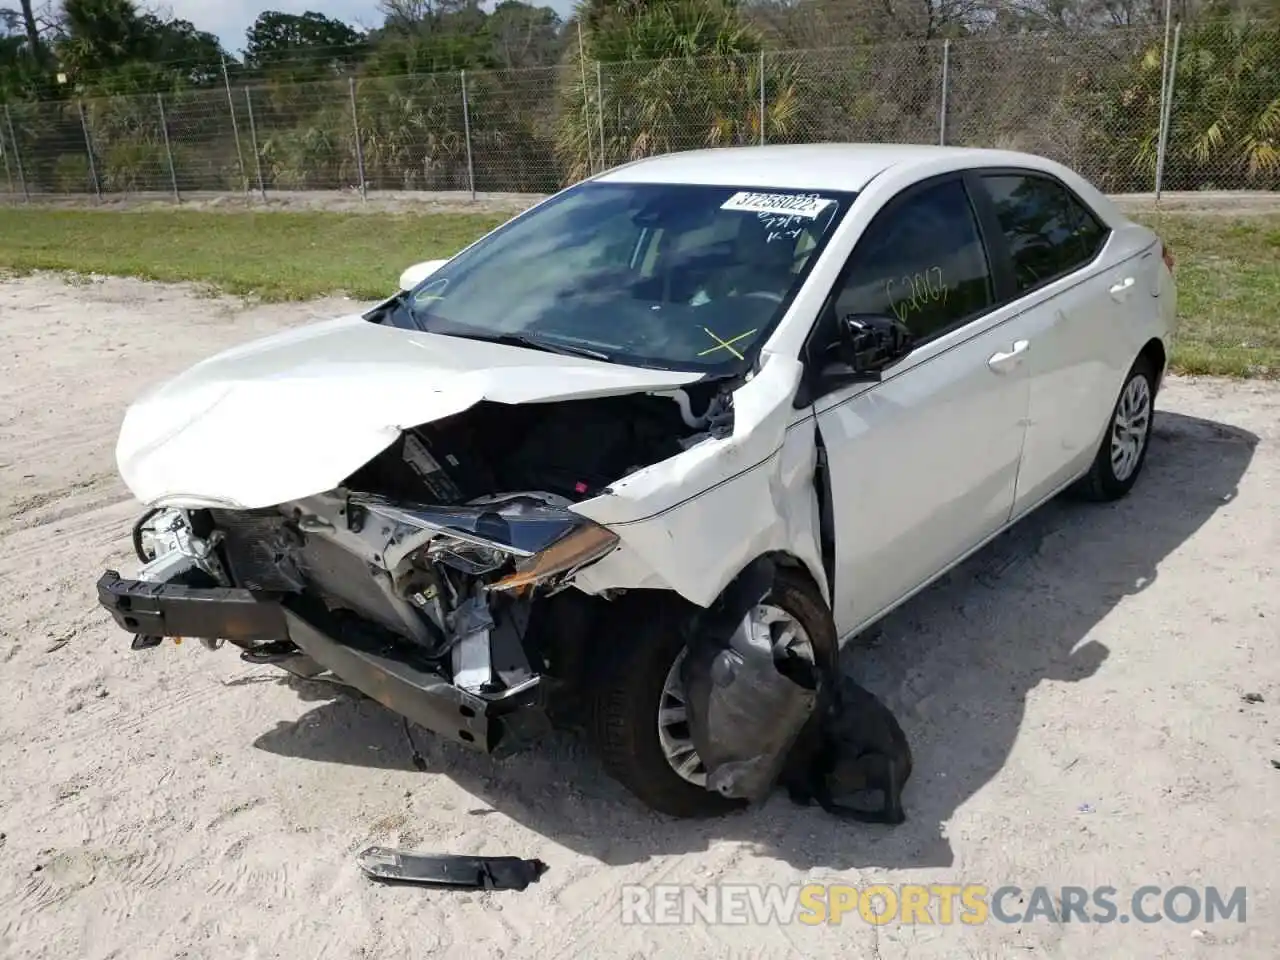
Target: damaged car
{"points": [[513, 491]]}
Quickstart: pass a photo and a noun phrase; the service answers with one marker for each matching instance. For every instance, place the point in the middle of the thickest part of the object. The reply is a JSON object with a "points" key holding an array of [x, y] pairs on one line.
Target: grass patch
{"points": [[1228, 268], [273, 256], [1228, 274]]}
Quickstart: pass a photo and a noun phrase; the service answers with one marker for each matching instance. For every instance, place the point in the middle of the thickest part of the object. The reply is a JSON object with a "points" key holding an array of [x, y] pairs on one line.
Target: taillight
{"points": [[1166, 255]]}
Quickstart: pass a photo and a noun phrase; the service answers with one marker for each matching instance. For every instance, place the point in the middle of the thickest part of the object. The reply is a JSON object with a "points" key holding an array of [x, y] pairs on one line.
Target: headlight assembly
{"points": [[466, 556], [587, 543], [544, 541]]}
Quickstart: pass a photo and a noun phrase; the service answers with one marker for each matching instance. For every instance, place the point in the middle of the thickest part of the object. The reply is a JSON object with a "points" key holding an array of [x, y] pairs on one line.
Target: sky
{"points": [[229, 19]]}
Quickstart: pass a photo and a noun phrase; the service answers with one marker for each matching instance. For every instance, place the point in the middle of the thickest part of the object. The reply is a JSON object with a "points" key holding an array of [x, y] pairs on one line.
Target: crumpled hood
{"points": [[297, 413]]}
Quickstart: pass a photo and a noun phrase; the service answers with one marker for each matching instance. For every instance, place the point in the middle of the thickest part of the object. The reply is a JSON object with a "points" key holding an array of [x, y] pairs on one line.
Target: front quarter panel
{"points": [[692, 523]]}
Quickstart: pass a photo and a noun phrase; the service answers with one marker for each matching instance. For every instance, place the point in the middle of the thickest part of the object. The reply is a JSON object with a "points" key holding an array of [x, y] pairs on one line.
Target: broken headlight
{"points": [[465, 556], [544, 541], [582, 545]]}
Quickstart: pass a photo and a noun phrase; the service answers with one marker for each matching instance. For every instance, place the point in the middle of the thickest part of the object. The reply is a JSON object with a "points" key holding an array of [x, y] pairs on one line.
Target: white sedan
{"points": [[507, 492]]}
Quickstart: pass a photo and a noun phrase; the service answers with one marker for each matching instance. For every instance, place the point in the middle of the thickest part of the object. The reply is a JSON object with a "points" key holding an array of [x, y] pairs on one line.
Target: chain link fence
{"points": [[1136, 109]]}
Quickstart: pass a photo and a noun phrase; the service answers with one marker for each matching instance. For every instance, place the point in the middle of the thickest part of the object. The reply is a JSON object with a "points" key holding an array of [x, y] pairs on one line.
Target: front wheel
{"points": [[1123, 450], [639, 723]]}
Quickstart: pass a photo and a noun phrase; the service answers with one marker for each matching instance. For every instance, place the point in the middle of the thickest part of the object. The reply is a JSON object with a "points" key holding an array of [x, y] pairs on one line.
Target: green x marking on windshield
{"points": [[725, 344]]}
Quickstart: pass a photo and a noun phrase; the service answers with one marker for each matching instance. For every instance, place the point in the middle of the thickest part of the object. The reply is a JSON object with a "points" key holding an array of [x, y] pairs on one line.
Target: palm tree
{"points": [[102, 34], [671, 75], [1224, 126]]}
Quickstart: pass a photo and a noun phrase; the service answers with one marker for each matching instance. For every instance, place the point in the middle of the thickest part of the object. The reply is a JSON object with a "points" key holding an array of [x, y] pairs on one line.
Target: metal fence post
{"points": [[235, 127], [946, 79], [762, 98], [8, 173], [466, 131], [17, 155], [355, 126], [168, 150], [1164, 84], [253, 141], [600, 113], [1167, 118], [586, 100], [88, 146]]}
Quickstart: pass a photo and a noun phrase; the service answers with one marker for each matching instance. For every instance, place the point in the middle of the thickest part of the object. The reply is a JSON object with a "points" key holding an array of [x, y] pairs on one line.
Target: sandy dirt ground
{"points": [[1075, 695]]}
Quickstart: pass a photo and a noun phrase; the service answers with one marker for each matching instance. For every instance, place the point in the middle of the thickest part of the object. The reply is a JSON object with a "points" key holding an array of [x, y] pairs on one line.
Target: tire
{"points": [[1108, 478], [624, 720]]}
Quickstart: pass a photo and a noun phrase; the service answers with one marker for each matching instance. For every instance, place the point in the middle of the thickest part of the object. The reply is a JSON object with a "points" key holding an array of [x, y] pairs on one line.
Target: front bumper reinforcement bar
{"points": [[395, 674]]}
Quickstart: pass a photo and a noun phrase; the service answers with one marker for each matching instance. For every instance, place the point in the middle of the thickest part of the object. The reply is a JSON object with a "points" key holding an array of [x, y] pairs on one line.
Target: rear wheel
{"points": [[1123, 450], [639, 724]]}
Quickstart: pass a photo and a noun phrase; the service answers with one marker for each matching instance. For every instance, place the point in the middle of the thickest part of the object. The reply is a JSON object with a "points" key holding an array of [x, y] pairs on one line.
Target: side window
{"points": [[922, 261], [1049, 231]]}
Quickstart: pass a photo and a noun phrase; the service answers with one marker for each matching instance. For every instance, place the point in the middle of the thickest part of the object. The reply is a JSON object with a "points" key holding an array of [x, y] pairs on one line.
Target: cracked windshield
{"points": [[660, 275]]}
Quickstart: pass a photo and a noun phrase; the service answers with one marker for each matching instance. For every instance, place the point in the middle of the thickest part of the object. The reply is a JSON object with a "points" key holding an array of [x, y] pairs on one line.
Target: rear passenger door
{"points": [[1069, 305]]}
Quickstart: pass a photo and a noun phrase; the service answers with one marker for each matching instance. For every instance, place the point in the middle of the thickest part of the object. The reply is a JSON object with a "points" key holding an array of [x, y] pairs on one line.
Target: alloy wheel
{"points": [[1131, 426]]}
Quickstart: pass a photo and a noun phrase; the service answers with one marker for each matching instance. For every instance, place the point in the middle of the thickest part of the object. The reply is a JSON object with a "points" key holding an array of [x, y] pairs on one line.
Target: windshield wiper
{"points": [[530, 342]]}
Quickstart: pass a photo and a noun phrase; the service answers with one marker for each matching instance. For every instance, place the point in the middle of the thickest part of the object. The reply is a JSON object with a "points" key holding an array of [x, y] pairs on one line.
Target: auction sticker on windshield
{"points": [[796, 204]]}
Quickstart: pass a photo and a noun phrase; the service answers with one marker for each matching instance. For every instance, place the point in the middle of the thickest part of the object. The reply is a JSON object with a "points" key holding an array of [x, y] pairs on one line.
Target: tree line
{"points": [[548, 100]]}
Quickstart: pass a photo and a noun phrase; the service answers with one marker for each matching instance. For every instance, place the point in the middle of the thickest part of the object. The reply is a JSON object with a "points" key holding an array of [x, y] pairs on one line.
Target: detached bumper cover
{"points": [[393, 674]]}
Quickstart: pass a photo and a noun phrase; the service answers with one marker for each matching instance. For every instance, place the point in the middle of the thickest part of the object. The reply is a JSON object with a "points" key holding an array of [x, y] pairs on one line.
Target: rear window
{"points": [[1050, 232]]}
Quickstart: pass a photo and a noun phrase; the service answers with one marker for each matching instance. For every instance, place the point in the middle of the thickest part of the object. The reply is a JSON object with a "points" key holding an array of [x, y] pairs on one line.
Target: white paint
{"points": [[296, 413], [761, 500], [415, 274], [825, 167]]}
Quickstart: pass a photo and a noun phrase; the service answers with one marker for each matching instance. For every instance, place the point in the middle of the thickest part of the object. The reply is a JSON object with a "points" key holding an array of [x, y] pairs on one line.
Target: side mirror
{"points": [[869, 343], [419, 272]]}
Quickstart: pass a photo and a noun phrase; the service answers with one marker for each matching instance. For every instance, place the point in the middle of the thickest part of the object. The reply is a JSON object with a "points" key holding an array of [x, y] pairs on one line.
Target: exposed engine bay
{"points": [[422, 546], [569, 450]]}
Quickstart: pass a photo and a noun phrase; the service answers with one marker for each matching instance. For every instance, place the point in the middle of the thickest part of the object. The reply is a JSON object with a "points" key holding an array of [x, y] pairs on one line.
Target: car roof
{"points": [[809, 166]]}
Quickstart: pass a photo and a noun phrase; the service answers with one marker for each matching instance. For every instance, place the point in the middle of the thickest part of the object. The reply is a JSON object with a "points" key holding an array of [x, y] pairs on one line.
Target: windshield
{"points": [[667, 275]]}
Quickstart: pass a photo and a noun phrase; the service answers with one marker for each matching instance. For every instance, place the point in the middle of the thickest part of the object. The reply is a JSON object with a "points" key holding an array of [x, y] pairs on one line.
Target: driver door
{"points": [[922, 464]]}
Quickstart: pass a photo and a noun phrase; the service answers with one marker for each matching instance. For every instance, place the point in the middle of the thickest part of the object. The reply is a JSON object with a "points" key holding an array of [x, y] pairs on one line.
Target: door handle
{"points": [[1121, 290], [1000, 362]]}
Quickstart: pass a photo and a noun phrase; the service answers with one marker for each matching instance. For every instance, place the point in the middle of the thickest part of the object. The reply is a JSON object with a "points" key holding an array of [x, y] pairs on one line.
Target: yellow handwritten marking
{"points": [[725, 344], [925, 288], [941, 284]]}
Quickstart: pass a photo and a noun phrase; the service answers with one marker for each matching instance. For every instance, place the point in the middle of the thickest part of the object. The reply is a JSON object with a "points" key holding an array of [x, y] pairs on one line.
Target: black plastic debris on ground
{"points": [[450, 871], [856, 745]]}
